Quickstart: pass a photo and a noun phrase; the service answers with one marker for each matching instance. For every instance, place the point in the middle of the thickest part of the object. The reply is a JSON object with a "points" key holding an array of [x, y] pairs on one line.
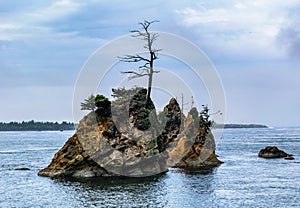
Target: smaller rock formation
{"points": [[22, 169], [198, 152], [272, 152], [289, 157]]}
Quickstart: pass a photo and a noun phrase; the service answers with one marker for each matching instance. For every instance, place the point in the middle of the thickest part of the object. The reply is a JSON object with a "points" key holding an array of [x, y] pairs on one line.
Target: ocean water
{"points": [[244, 180]]}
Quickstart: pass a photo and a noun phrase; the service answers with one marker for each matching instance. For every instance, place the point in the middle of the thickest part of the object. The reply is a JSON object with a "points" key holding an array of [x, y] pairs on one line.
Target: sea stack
{"points": [[131, 140]]}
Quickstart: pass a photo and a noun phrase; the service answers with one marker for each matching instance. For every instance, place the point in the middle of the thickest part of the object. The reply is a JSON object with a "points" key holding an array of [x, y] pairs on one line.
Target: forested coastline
{"points": [[238, 126], [36, 126]]}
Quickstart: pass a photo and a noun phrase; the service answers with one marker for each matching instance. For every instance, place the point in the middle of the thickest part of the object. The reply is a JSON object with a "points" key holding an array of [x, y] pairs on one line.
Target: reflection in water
{"points": [[116, 191], [166, 190], [194, 185], [191, 171]]}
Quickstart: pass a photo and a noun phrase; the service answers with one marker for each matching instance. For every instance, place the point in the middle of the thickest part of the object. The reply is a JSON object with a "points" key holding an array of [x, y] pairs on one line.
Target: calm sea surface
{"points": [[244, 180]]}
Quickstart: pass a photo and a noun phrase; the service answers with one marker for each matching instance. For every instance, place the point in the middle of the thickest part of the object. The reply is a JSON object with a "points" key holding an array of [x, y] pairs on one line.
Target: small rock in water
{"points": [[22, 169], [272, 152], [289, 157]]}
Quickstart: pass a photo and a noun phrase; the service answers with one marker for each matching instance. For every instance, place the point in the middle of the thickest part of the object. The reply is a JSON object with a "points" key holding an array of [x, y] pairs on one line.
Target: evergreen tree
{"points": [[89, 103]]}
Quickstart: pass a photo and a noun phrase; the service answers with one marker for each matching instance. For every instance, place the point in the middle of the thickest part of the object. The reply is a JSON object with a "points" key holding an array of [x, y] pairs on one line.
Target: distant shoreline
{"points": [[36, 126], [238, 126], [64, 126]]}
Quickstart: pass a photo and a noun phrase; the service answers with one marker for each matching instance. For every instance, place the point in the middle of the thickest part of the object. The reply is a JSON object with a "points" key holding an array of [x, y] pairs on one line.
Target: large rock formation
{"points": [[133, 141], [119, 145]]}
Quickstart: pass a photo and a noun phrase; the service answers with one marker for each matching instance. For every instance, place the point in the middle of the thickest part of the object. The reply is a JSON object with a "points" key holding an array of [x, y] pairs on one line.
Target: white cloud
{"points": [[7, 26], [250, 28], [31, 22], [55, 11], [6, 31], [193, 17]]}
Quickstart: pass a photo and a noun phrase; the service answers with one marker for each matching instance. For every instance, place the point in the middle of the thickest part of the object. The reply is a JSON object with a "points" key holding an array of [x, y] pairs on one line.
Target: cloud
{"points": [[8, 26], [241, 30], [32, 20], [52, 60], [55, 11], [34, 53], [110, 19], [9, 31], [289, 35], [43, 45]]}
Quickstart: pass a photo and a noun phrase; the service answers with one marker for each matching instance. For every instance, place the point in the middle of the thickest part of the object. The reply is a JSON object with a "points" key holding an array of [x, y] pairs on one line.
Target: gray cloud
{"points": [[289, 35], [290, 39]]}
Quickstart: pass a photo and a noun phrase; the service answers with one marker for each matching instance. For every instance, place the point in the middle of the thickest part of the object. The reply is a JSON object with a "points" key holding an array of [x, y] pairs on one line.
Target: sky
{"points": [[253, 45]]}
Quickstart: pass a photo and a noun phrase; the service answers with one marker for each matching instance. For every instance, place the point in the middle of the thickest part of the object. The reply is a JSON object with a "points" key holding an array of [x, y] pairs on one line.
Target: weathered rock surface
{"points": [[195, 147], [272, 152], [171, 118], [133, 142]]}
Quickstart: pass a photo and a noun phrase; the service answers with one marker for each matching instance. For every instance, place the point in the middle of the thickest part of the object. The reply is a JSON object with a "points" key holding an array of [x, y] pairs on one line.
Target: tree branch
{"points": [[134, 74], [146, 65], [137, 33], [148, 68], [146, 24], [133, 58]]}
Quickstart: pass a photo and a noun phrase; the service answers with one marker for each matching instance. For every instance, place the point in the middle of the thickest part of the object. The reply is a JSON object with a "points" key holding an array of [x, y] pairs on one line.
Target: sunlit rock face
{"points": [[196, 145]]}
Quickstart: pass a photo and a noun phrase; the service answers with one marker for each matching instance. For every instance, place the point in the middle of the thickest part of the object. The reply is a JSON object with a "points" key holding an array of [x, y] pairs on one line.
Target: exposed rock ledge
{"points": [[102, 147]]}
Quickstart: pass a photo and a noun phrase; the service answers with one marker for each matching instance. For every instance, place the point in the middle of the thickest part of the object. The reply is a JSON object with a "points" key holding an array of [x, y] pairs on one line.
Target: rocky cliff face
{"points": [[194, 146], [134, 142], [171, 118]]}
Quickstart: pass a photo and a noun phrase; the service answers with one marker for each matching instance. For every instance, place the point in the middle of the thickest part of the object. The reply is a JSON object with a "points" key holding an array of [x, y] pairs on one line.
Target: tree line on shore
{"points": [[36, 126]]}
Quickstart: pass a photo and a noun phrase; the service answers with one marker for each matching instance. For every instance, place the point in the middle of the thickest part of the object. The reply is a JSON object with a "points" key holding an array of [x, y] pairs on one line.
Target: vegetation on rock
{"points": [[204, 118], [103, 107], [88, 103]]}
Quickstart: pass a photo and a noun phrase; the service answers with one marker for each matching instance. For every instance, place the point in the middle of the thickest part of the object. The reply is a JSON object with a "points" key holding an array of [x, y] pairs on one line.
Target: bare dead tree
{"points": [[147, 69]]}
